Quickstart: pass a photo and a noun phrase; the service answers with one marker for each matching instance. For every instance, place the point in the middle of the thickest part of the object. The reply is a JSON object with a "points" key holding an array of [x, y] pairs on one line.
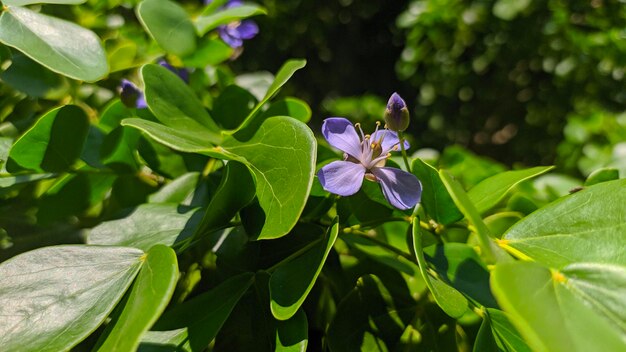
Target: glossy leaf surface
{"points": [[53, 297], [168, 23], [490, 191], [148, 297], [53, 143], [62, 46], [589, 227], [291, 282], [146, 226]]}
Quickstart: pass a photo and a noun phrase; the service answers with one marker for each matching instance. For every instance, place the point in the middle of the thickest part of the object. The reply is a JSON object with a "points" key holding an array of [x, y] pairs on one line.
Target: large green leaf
{"points": [[448, 298], [291, 282], [61, 46], [435, 197], [490, 191], [204, 315], [281, 155], [205, 23], [165, 341], [146, 226], [179, 191], [175, 104], [53, 143], [168, 23], [53, 297], [587, 226], [554, 314], [148, 297]]}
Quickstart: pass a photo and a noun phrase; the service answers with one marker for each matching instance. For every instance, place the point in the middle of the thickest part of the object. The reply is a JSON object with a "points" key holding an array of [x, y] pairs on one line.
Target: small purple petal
{"points": [[141, 102], [340, 133], [390, 140], [247, 29], [233, 3], [131, 95], [230, 36], [401, 189], [183, 73], [342, 177]]}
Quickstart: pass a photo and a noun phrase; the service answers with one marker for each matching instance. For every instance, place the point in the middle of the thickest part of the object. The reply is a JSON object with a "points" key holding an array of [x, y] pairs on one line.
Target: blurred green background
{"points": [[521, 81]]}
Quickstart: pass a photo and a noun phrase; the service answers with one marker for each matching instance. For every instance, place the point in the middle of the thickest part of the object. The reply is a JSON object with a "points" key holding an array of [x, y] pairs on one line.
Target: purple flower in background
{"points": [[182, 72], [131, 95], [236, 32], [365, 157]]}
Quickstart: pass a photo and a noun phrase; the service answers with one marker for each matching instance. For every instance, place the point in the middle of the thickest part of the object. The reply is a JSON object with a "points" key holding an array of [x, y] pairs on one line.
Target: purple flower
{"points": [[235, 33], [365, 157], [131, 95], [183, 73], [397, 114]]}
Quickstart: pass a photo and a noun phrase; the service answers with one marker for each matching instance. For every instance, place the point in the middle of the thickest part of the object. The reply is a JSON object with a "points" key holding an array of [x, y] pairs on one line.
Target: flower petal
{"points": [[340, 133], [230, 36], [342, 177], [390, 140], [401, 189], [247, 29]]}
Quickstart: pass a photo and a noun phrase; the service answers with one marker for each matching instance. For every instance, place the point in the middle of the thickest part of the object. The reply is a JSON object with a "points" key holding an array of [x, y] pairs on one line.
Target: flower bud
{"points": [[131, 96], [396, 114]]}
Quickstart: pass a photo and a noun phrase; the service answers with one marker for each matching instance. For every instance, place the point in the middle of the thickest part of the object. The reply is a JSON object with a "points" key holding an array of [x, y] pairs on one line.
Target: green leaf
{"points": [[291, 282], [169, 25], [232, 106], [489, 192], [460, 266], [61, 46], [210, 52], [505, 333], [54, 297], [204, 315], [175, 104], [292, 334], [29, 2], [178, 191], [8, 181], [587, 226], [552, 314], [293, 107], [33, 79], [485, 341], [146, 226], [283, 75], [368, 308], [192, 141], [435, 197], [448, 298], [205, 23], [148, 298], [53, 143], [602, 175], [236, 190], [465, 205], [165, 341], [281, 155]]}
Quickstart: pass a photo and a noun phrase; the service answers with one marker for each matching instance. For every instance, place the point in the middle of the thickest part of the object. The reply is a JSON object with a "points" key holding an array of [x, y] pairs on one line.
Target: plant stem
{"points": [[404, 156]]}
